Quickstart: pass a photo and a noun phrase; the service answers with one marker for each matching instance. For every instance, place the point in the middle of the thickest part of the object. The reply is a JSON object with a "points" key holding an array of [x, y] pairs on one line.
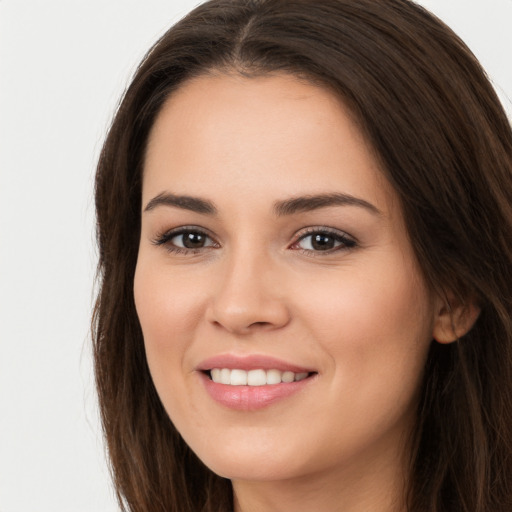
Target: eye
{"points": [[191, 240], [184, 240], [324, 241]]}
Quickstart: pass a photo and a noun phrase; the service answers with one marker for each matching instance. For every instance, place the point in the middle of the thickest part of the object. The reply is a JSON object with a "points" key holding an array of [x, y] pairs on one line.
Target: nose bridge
{"points": [[247, 295]]}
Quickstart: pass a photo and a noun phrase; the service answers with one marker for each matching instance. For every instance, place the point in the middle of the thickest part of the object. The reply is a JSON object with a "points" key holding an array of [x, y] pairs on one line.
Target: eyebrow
{"points": [[283, 208], [314, 202], [194, 204]]}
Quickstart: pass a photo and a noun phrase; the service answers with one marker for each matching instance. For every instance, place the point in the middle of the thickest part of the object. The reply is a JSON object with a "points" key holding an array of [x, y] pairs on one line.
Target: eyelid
{"points": [[347, 241], [163, 239]]}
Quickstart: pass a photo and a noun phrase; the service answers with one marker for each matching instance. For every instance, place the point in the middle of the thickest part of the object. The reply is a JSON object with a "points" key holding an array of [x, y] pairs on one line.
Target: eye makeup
{"points": [[315, 240]]}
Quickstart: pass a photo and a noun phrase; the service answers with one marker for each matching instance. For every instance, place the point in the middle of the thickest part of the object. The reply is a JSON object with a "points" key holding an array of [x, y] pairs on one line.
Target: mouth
{"points": [[248, 383], [256, 377]]}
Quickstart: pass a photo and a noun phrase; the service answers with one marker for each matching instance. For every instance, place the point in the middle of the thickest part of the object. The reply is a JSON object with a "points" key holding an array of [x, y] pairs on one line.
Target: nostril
{"points": [[259, 324]]}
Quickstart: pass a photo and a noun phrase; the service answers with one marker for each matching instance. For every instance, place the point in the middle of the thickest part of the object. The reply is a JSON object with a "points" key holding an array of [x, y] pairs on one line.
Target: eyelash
{"points": [[165, 238], [344, 241]]}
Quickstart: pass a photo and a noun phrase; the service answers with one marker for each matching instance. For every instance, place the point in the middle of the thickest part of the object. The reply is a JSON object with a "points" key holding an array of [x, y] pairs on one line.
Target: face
{"points": [[274, 260]]}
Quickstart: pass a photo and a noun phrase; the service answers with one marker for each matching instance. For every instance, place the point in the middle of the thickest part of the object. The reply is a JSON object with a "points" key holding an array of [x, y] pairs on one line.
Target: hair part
{"points": [[443, 141]]}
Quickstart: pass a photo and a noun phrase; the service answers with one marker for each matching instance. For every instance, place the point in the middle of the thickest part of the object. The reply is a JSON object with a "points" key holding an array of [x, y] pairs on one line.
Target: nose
{"points": [[249, 295]]}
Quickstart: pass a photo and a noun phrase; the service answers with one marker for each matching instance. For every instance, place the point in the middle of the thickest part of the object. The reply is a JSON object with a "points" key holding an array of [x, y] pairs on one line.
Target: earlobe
{"points": [[454, 320]]}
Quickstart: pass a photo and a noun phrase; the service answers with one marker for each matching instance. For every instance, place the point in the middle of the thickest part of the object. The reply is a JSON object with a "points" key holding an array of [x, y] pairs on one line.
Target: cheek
{"points": [[168, 311], [376, 325], [370, 301]]}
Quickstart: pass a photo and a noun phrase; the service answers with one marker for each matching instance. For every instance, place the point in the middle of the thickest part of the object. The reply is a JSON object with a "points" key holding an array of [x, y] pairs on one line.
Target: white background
{"points": [[63, 66]]}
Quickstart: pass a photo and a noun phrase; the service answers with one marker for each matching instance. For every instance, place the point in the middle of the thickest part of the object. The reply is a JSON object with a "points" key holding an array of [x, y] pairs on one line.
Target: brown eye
{"points": [[321, 241], [184, 240], [190, 240]]}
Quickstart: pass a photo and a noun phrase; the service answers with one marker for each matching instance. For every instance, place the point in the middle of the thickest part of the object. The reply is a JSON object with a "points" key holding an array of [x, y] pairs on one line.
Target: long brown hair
{"points": [[444, 143]]}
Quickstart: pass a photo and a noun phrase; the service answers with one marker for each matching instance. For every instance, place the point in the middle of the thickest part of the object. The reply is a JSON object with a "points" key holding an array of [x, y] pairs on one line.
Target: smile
{"points": [[258, 377], [254, 381]]}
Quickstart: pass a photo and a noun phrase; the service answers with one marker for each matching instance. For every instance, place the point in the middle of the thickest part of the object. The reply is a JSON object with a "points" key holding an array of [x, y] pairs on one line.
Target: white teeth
{"points": [[215, 374], [238, 378], [288, 377], [225, 376], [258, 377], [273, 377]]}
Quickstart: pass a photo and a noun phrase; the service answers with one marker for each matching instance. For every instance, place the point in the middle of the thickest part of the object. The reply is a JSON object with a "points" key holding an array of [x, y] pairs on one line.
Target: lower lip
{"points": [[250, 398]]}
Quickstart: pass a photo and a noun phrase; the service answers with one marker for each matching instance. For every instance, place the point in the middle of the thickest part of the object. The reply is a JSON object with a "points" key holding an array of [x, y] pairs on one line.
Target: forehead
{"points": [[267, 136]]}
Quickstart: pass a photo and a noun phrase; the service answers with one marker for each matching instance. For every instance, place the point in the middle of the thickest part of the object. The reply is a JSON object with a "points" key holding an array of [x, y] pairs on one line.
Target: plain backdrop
{"points": [[63, 66]]}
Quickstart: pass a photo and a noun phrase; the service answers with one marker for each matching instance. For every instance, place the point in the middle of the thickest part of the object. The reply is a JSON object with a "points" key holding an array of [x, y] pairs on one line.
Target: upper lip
{"points": [[250, 362]]}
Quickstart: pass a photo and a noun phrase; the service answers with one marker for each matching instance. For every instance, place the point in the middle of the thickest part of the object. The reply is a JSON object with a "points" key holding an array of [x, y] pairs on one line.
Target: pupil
{"points": [[323, 242], [193, 240]]}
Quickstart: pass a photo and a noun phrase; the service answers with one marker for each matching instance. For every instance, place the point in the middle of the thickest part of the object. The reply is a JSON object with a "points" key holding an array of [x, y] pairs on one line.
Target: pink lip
{"points": [[251, 362], [249, 398]]}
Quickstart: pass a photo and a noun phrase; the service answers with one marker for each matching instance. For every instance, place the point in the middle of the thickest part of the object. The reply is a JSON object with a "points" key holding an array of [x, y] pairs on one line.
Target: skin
{"points": [[360, 315]]}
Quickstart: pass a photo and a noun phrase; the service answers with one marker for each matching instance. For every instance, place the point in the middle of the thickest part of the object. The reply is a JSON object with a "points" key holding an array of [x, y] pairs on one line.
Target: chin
{"points": [[260, 468], [251, 460]]}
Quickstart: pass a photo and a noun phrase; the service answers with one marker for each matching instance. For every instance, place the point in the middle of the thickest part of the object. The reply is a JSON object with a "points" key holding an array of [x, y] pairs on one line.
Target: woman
{"points": [[305, 230]]}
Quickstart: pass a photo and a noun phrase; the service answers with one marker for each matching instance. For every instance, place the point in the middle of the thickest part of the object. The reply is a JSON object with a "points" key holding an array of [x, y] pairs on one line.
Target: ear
{"points": [[454, 318]]}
